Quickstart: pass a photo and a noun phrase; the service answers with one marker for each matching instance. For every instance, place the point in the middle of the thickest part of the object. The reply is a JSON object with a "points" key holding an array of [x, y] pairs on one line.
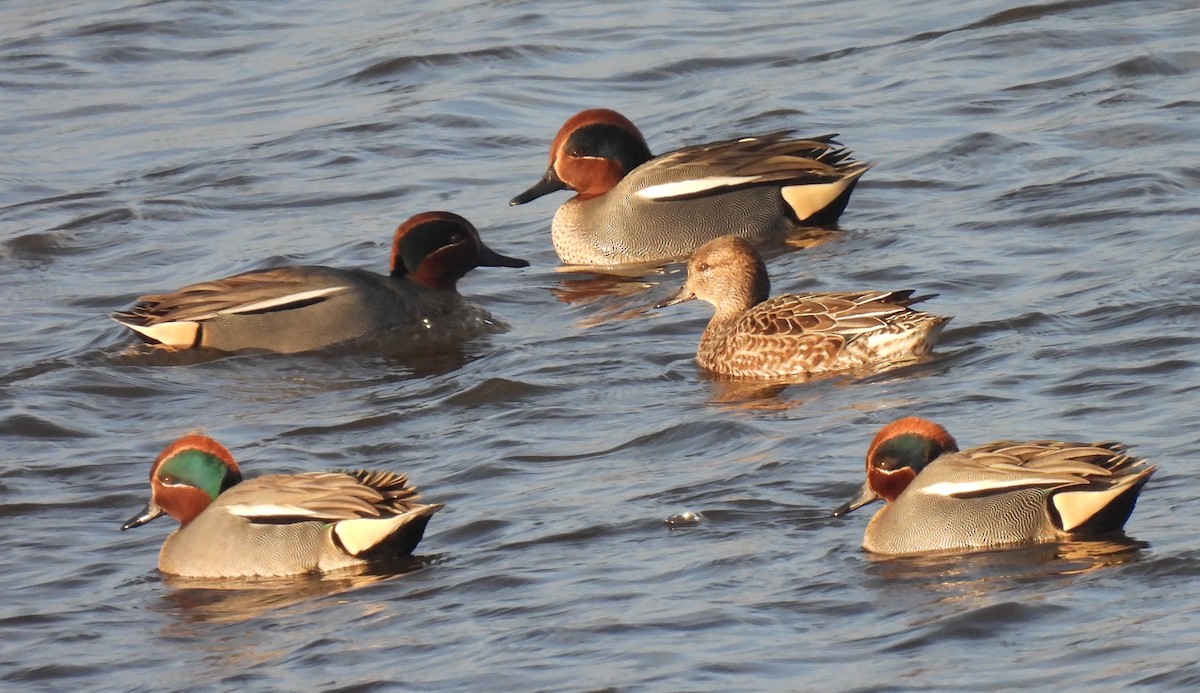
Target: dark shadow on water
{"points": [[985, 594], [235, 600]]}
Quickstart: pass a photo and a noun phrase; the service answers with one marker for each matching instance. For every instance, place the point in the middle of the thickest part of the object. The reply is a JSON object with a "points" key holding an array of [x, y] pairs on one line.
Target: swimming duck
{"points": [[634, 207], [1007, 492], [281, 524], [752, 336], [292, 309]]}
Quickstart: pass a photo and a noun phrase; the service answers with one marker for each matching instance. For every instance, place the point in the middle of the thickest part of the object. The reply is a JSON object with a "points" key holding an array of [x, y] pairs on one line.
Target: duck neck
{"points": [[728, 312], [741, 298], [733, 305], [725, 315]]}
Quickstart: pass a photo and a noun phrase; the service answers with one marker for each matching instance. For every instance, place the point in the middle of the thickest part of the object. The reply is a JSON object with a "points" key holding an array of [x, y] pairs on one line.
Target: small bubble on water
{"points": [[684, 519]]}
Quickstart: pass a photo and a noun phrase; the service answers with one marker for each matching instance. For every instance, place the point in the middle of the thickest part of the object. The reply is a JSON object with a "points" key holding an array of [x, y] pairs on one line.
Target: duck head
{"points": [[726, 272], [591, 153], [899, 452], [188, 475], [436, 249]]}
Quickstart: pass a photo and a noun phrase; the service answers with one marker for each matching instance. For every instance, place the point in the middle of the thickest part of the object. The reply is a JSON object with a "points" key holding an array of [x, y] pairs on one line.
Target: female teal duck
{"points": [[281, 524], [634, 207], [1007, 492], [292, 309], [752, 336]]}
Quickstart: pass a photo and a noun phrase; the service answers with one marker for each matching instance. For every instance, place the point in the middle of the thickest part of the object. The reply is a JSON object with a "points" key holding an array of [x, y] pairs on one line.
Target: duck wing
{"points": [[321, 496], [728, 165]]}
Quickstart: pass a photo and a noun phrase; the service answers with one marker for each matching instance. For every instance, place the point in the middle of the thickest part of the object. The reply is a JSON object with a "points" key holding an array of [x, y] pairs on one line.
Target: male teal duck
{"points": [[275, 525], [753, 336], [293, 309], [1004, 493], [634, 207]]}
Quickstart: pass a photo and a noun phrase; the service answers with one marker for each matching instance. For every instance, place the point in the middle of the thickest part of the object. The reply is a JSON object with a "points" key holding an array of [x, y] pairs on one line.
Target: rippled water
{"points": [[1037, 166]]}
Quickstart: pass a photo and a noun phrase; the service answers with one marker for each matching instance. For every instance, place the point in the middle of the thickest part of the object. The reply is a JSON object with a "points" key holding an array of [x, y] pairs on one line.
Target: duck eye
{"points": [[702, 267], [168, 479], [457, 238]]}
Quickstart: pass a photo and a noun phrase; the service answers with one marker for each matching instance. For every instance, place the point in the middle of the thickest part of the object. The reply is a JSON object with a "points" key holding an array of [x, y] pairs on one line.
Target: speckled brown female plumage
{"points": [[753, 336]]}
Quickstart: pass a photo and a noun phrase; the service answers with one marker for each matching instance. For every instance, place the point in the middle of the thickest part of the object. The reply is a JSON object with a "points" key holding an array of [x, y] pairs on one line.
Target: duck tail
{"points": [[184, 334], [393, 535], [819, 205], [1099, 510]]}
